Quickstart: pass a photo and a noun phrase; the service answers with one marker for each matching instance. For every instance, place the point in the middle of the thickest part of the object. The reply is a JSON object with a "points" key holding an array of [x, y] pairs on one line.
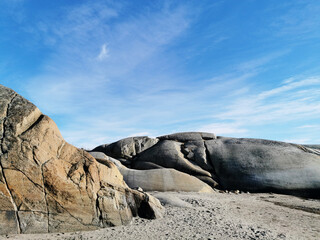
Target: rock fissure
{"points": [[34, 156], [4, 121], [99, 212], [187, 153], [43, 164], [74, 168], [36, 166], [15, 208], [86, 168], [1, 166], [69, 212], [45, 196], [208, 158], [33, 124], [33, 211], [18, 170], [60, 149]]}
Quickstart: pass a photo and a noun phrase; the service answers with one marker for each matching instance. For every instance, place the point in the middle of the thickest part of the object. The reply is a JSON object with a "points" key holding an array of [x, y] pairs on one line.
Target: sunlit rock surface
{"points": [[48, 185], [230, 163]]}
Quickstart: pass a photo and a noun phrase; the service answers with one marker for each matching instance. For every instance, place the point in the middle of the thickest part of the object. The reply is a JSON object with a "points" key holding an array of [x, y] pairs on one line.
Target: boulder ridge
{"points": [[48, 185]]}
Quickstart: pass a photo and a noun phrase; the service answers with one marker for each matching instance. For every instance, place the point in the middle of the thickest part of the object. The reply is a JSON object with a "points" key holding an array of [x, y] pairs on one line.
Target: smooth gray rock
{"points": [[263, 165], [171, 200], [99, 155], [146, 165], [162, 179], [195, 152], [188, 136], [127, 148], [232, 164], [211, 181], [168, 154]]}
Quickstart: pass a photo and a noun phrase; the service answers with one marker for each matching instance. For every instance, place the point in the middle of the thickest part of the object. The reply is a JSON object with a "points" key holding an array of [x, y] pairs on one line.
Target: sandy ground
{"points": [[215, 216]]}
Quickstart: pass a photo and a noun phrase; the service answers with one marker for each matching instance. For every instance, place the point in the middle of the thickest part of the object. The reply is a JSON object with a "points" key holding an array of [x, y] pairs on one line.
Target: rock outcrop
{"points": [[48, 185], [264, 165], [125, 149], [234, 163], [159, 179]]}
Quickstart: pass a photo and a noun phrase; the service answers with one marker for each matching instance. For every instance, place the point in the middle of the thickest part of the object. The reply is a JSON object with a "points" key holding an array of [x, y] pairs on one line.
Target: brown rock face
{"points": [[48, 185]]}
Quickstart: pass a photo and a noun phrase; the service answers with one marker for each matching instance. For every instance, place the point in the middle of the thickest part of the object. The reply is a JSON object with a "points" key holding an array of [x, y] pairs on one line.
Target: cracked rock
{"points": [[48, 185]]}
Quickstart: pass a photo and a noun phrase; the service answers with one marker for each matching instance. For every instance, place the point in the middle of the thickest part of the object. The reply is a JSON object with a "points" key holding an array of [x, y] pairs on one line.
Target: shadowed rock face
{"points": [[158, 179], [127, 148], [48, 185], [262, 165], [231, 163]]}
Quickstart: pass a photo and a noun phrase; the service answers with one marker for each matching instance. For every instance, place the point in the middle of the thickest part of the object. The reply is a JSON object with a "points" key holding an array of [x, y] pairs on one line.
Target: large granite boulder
{"points": [[48, 185], [264, 165], [236, 164], [189, 136], [158, 179], [126, 149], [185, 152]]}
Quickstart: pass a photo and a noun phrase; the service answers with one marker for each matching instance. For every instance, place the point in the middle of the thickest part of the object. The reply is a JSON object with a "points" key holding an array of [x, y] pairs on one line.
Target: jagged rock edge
{"points": [[2, 169]]}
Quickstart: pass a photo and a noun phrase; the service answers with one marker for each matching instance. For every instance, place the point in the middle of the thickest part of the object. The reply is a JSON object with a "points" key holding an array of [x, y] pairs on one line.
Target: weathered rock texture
{"points": [[159, 179], [231, 163], [126, 149], [263, 165], [48, 185]]}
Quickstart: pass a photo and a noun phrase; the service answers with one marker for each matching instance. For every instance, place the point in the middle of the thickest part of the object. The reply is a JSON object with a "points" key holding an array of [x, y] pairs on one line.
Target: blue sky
{"points": [[105, 70]]}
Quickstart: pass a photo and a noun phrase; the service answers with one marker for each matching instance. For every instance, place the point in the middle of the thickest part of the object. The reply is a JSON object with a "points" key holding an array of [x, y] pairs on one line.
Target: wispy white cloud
{"points": [[73, 65], [257, 63], [140, 134], [314, 126], [97, 90], [297, 140], [234, 129], [300, 21], [291, 102], [104, 53], [290, 85], [111, 76]]}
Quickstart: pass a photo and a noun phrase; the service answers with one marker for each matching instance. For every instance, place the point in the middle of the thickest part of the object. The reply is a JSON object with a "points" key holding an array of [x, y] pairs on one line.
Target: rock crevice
{"points": [[11, 199], [4, 122], [3, 151], [48, 185]]}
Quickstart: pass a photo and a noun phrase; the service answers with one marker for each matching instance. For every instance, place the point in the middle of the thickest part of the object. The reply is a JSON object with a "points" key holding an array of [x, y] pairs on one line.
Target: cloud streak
{"points": [[112, 70], [293, 100], [101, 91], [104, 53], [289, 104]]}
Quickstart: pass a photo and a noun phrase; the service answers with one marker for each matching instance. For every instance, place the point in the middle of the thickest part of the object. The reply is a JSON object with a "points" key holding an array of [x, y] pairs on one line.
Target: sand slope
{"points": [[215, 216]]}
